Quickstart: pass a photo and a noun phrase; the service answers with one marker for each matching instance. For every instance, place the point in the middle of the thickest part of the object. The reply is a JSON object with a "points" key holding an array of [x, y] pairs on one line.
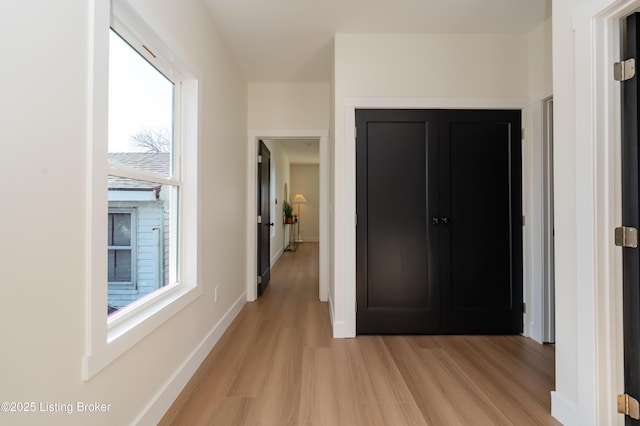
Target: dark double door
{"points": [[439, 228]]}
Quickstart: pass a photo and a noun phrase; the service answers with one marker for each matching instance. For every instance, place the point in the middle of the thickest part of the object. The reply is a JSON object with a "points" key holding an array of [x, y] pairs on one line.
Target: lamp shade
{"points": [[299, 198]]}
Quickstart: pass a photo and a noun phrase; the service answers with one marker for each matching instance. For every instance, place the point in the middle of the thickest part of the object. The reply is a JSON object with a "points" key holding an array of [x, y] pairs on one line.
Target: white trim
{"points": [[252, 248], [106, 339], [598, 205], [345, 235], [162, 400], [563, 411]]}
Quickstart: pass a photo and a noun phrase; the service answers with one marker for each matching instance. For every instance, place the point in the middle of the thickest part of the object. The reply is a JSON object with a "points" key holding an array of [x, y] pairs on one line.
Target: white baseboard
{"points": [[564, 411], [153, 412], [277, 256]]}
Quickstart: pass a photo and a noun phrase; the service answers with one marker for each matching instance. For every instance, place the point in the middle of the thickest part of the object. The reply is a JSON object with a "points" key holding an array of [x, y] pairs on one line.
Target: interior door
{"points": [[397, 249], [482, 242], [438, 237], [264, 214], [631, 217]]}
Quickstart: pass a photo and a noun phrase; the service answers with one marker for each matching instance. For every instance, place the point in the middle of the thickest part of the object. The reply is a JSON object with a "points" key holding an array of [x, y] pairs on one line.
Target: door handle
{"points": [[269, 224]]}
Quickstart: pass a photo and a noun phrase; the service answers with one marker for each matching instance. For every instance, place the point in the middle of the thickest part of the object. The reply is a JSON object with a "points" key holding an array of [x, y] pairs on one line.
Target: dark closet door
{"points": [[631, 216], [439, 238], [397, 255], [481, 244]]}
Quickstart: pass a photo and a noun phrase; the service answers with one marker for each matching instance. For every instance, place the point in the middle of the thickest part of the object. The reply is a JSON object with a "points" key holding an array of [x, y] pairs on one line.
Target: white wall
{"points": [[44, 268], [289, 106], [540, 88], [423, 71], [305, 180]]}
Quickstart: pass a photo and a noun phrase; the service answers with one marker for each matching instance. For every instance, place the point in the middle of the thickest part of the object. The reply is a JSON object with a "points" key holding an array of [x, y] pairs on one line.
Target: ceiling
{"points": [[292, 40], [300, 151]]}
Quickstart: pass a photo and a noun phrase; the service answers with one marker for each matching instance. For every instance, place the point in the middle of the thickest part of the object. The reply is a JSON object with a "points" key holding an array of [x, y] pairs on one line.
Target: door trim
{"points": [[596, 366], [251, 232]]}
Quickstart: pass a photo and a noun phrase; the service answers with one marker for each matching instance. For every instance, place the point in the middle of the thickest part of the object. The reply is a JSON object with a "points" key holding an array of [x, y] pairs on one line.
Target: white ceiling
{"points": [[292, 40], [300, 151]]}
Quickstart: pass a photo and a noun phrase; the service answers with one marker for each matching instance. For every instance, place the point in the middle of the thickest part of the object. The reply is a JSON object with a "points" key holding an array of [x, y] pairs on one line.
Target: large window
{"points": [[143, 220], [143, 171]]}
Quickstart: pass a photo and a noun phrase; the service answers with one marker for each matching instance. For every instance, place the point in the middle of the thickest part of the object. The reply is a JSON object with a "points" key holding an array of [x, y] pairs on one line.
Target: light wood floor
{"points": [[277, 364]]}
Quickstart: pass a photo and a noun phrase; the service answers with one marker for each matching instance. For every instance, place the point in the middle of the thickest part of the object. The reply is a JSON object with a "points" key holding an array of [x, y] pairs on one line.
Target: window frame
{"points": [[109, 337]]}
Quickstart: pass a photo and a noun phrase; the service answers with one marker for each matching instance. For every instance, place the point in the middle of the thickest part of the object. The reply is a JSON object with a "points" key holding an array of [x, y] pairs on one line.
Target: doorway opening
{"points": [[278, 234], [549, 326]]}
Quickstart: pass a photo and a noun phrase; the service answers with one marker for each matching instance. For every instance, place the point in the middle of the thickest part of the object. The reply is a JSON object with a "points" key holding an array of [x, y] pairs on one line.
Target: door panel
{"points": [[439, 240], [483, 181], [631, 217], [394, 241], [264, 210]]}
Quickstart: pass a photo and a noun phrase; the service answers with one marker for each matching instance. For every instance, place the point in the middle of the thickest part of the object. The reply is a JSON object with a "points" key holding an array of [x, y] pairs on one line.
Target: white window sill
{"points": [[127, 328]]}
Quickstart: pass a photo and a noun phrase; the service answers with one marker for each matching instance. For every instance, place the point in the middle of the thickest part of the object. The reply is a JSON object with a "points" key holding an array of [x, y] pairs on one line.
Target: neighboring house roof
{"points": [[156, 162]]}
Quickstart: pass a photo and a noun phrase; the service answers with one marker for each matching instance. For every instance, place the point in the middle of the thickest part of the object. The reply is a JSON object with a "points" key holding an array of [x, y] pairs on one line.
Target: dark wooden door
{"points": [[481, 244], [631, 217], [264, 213], [397, 249], [439, 239]]}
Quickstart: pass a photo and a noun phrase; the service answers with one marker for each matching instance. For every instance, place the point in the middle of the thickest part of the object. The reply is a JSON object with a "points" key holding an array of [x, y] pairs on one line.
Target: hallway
{"points": [[277, 364]]}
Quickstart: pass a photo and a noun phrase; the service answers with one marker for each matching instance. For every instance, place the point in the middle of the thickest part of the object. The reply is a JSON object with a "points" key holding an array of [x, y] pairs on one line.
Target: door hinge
{"points": [[524, 308], [259, 219], [355, 133], [355, 219], [626, 236], [356, 307], [523, 221], [259, 279], [522, 134], [259, 159], [623, 71], [629, 406]]}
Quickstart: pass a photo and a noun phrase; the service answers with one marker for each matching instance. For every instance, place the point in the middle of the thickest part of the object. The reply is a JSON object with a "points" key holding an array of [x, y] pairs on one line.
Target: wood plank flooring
{"points": [[277, 364]]}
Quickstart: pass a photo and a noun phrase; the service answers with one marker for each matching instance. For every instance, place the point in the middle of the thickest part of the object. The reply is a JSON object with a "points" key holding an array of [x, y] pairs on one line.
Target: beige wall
{"points": [[44, 268], [540, 60], [289, 106], [305, 180]]}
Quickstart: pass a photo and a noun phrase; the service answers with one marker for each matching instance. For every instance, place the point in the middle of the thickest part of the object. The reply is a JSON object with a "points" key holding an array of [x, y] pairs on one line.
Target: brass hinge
{"points": [[629, 406], [626, 236], [624, 70]]}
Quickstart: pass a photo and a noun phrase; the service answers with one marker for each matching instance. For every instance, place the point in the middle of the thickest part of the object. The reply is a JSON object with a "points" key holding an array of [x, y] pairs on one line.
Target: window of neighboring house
{"points": [[121, 254], [143, 217]]}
